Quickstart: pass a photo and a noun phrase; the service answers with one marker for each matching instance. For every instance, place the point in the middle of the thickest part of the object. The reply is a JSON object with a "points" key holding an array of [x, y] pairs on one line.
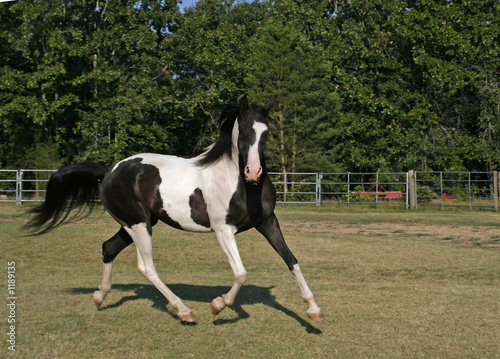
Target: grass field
{"points": [[392, 284]]}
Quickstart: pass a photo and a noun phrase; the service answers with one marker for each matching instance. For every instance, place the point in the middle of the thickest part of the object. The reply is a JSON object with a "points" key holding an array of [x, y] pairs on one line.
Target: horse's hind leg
{"points": [[110, 249], [141, 233], [271, 230]]}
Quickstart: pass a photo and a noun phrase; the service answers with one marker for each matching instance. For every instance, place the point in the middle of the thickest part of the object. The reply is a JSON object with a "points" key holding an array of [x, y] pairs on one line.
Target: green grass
{"points": [[383, 296]]}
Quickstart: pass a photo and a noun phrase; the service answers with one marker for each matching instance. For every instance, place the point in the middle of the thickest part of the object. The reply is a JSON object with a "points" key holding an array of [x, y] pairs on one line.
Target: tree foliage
{"points": [[362, 85]]}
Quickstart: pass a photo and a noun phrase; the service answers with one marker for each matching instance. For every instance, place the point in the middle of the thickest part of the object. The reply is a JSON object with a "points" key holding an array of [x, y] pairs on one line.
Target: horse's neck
{"points": [[227, 168]]}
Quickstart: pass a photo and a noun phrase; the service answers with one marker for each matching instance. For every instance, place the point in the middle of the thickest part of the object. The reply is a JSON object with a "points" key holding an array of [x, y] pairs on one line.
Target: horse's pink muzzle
{"points": [[253, 173]]}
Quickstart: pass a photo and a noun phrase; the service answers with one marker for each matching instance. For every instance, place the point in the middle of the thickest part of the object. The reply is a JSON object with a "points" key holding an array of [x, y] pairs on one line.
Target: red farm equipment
{"points": [[381, 192]]}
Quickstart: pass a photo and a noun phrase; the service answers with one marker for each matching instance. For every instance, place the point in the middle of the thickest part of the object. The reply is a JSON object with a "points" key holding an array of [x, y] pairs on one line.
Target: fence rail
{"points": [[459, 189], [25, 185], [409, 189], [341, 188]]}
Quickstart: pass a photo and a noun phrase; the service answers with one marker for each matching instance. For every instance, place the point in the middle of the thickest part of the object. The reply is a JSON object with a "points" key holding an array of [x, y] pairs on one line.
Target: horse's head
{"points": [[253, 129]]}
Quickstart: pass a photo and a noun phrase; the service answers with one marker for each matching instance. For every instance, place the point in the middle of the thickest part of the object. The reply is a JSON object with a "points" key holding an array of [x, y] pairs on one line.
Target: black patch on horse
{"points": [[199, 212], [140, 182], [113, 246], [251, 203]]}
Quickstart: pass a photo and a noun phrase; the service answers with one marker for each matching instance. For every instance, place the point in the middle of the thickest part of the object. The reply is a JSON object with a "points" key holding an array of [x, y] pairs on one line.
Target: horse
{"points": [[225, 190]]}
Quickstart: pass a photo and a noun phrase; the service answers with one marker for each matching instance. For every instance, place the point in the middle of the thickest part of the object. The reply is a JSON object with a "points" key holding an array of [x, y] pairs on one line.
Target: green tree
{"points": [[85, 74], [122, 80], [41, 155], [206, 56], [362, 85], [408, 77], [285, 63]]}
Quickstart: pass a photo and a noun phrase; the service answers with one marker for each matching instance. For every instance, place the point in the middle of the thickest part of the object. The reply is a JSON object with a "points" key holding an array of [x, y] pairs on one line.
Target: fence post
{"points": [[412, 189], [348, 187], [441, 186], [21, 176], [495, 188], [18, 187], [319, 177]]}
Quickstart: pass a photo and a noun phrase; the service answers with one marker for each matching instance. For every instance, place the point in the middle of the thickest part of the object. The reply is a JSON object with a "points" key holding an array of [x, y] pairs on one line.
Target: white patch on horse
{"points": [[105, 286], [313, 312], [253, 164], [179, 178]]}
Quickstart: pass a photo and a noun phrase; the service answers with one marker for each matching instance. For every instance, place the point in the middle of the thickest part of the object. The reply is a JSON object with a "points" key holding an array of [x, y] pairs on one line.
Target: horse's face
{"points": [[253, 129]]}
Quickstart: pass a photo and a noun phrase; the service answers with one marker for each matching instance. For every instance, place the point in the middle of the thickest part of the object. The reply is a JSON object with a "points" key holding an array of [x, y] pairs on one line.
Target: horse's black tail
{"points": [[72, 187]]}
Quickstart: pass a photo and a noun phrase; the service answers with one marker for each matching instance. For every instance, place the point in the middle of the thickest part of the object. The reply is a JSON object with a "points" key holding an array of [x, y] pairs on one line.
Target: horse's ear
{"points": [[243, 103], [270, 104]]}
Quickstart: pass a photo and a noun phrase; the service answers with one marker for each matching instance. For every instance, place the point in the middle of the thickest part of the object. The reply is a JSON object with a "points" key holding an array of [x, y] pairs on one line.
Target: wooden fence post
{"points": [[412, 189]]}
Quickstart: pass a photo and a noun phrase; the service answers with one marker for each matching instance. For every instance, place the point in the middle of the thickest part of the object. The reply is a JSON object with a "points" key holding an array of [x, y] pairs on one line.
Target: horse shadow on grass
{"points": [[248, 294]]}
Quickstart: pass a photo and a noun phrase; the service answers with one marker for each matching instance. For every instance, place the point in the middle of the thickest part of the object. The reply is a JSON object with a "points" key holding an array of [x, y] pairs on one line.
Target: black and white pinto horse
{"points": [[225, 190]]}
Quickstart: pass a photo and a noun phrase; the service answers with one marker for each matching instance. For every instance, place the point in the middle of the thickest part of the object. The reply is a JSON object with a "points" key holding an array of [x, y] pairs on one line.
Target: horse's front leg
{"points": [[270, 228], [228, 245]]}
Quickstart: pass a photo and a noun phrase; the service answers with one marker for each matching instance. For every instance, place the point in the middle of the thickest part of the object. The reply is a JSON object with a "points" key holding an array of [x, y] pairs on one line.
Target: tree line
{"points": [[362, 85]]}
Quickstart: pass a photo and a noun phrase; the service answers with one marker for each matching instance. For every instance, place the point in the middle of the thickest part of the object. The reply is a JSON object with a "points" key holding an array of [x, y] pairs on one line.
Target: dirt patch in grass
{"points": [[369, 224], [482, 236]]}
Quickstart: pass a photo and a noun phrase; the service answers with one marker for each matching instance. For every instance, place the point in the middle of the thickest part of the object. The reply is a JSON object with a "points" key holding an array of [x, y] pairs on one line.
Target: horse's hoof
{"points": [[98, 299], [217, 305], [187, 317], [317, 317]]}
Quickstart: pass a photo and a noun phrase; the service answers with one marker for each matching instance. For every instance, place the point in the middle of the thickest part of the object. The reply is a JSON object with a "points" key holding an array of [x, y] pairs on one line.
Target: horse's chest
{"points": [[218, 191], [250, 204]]}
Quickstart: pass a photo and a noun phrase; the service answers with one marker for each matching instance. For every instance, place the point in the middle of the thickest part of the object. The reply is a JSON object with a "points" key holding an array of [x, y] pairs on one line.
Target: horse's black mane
{"points": [[223, 146]]}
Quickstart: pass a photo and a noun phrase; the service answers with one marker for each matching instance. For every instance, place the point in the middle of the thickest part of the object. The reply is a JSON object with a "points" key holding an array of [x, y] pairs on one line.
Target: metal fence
{"points": [[457, 189], [9, 185], [342, 188], [406, 189], [24, 185]]}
